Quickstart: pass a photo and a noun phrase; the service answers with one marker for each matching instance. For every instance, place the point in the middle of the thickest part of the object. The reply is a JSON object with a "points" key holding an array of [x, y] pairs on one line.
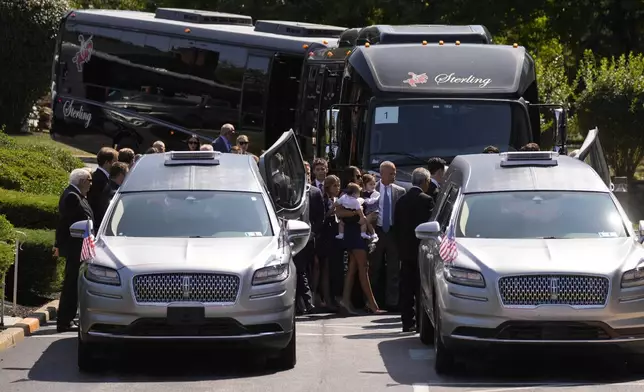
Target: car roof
{"points": [[483, 173], [235, 172]]}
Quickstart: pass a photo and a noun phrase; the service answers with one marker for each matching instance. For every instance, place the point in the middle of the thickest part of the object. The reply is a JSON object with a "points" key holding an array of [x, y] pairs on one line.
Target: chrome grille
{"points": [[534, 290], [186, 287]]}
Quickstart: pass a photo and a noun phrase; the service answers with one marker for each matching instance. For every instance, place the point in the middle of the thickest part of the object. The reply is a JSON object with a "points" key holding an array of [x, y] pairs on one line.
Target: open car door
{"points": [[592, 153], [282, 168]]}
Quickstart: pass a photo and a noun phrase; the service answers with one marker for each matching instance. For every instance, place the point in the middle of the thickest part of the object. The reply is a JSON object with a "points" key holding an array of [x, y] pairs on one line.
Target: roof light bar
{"points": [[192, 158], [529, 158]]}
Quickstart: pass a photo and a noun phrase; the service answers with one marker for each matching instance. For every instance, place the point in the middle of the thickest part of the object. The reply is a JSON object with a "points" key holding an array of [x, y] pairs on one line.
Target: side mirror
{"points": [[298, 233], [77, 230], [428, 230]]}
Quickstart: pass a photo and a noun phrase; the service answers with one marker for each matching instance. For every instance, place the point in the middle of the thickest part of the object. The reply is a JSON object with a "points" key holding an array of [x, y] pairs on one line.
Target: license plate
{"points": [[186, 315]]}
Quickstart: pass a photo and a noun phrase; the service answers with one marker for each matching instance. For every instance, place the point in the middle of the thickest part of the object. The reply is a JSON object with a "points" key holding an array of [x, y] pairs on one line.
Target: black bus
{"points": [[324, 69], [192, 70]]}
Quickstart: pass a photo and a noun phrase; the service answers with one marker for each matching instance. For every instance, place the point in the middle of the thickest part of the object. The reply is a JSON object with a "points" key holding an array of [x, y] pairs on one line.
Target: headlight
{"points": [[464, 277], [104, 275], [272, 274], [632, 278]]}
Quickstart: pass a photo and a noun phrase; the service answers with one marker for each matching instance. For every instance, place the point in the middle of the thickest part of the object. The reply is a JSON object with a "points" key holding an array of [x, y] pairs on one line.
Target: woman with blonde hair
{"points": [[242, 143]]}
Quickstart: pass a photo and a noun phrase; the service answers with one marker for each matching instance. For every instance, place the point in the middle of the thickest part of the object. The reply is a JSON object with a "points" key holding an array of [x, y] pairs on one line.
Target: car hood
{"points": [[222, 254], [593, 256]]}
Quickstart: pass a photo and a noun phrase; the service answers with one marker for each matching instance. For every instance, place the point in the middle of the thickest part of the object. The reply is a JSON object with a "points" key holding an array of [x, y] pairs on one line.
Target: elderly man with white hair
{"points": [[224, 143], [73, 207], [205, 147]]}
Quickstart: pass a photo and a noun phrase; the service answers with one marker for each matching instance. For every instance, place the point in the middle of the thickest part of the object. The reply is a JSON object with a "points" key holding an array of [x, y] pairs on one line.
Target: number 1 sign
{"points": [[387, 115]]}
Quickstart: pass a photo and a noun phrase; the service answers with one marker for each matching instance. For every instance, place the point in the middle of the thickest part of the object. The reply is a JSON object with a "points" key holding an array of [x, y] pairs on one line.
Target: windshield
{"points": [[190, 214], [552, 214], [445, 129]]}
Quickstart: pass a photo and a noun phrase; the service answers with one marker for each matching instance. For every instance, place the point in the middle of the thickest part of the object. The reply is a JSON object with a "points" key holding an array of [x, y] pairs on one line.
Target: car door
{"points": [[592, 153], [283, 171]]}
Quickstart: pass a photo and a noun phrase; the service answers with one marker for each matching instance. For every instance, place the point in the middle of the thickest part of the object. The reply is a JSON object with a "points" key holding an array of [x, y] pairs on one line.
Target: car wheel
{"points": [[87, 361], [444, 361], [287, 357], [425, 328]]}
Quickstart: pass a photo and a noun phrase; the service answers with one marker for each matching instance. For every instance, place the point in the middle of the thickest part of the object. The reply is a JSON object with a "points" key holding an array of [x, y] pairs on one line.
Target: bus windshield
{"points": [[407, 132]]}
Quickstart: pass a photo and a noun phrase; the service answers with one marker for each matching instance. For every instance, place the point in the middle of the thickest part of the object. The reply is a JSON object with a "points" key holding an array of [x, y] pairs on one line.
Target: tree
{"points": [[613, 101], [28, 29]]}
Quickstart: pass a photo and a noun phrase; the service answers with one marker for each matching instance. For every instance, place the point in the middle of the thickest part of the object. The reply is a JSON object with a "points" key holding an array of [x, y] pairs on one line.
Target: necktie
{"points": [[321, 186], [386, 208]]}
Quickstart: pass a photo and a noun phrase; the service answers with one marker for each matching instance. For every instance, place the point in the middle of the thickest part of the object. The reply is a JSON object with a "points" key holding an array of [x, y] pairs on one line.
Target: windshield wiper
{"points": [[402, 154]]}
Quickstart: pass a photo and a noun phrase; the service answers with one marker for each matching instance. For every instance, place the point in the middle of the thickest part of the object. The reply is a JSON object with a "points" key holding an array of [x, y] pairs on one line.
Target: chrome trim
{"points": [[267, 295], [569, 273], [468, 297], [232, 337], [492, 340], [632, 298], [241, 287], [104, 295]]}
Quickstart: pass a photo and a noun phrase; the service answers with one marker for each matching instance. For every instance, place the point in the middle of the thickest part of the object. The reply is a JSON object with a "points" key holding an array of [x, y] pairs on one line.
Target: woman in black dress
{"points": [[357, 248]]}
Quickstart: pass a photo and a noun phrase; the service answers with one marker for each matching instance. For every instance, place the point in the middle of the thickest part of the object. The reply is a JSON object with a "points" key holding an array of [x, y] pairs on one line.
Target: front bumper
{"points": [[262, 316], [476, 317]]}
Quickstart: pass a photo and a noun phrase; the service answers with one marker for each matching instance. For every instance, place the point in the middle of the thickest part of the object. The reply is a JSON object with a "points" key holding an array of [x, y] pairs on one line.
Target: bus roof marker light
{"points": [[458, 43], [441, 42], [424, 43], [186, 30], [305, 46]]}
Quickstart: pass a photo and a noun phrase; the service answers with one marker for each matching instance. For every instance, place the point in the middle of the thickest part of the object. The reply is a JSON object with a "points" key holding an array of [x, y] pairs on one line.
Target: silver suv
{"points": [[528, 248], [192, 248]]}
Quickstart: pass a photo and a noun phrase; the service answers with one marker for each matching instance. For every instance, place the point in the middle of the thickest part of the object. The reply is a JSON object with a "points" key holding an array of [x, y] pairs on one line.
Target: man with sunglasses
{"points": [[226, 137]]}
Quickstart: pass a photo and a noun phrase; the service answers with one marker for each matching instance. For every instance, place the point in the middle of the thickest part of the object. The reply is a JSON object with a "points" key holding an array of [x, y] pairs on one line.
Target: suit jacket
{"points": [[114, 187], [316, 212], [396, 193], [99, 196], [412, 209], [433, 191], [220, 145], [72, 207]]}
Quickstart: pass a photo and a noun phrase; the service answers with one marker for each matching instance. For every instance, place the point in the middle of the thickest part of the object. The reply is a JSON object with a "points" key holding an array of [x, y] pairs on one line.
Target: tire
{"points": [[444, 361], [87, 361], [287, 357], [425, 328]]}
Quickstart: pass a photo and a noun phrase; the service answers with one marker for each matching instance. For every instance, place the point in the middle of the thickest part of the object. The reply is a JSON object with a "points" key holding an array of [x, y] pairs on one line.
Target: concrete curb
{"points": [[28, 325], [86, 159]]}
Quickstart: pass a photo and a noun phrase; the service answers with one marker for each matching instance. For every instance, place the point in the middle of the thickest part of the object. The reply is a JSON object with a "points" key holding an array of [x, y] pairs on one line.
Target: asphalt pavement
{"points": [[367, 353]]}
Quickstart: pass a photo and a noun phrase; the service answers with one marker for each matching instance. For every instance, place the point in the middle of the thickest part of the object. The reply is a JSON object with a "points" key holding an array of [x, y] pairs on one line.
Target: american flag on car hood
{"points": [[448, 249], [88, 250]]}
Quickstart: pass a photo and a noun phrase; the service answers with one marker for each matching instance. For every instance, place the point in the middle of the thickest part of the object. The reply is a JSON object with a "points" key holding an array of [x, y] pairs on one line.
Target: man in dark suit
{"points": [[99, 194], [224, 142], [412, 209], [118, 171], [303, 260], [436, 168], [73, 207]]}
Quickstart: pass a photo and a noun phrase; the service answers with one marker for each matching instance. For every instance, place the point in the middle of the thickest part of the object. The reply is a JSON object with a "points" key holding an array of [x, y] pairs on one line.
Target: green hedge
{"points": [[39, 272], [7, 234], [29, 210]]}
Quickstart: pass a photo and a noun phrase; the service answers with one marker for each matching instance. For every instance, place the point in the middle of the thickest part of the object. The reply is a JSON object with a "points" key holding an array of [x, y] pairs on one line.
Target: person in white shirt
{"points": [[353, 202]]}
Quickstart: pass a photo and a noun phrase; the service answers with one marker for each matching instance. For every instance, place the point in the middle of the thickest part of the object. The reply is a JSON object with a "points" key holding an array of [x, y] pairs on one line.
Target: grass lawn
{"points": [[43, 139]]}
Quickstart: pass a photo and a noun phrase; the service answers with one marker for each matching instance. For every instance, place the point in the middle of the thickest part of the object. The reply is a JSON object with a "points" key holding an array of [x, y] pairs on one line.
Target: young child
{"points": [[352, 201], [371, 201]]}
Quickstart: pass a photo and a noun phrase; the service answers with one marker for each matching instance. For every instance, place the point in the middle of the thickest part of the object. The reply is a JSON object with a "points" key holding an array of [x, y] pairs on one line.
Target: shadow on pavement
{"points": [[521, 368], [139, 364]]}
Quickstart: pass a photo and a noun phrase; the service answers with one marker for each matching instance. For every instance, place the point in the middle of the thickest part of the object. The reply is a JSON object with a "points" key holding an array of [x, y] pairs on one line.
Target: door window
{"points": [[282, 168], [448, 206], [254, 92]]}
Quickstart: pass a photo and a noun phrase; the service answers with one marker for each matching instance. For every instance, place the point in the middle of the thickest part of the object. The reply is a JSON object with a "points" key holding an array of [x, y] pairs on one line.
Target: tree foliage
{"points": [[613, 100], [27, 32]]}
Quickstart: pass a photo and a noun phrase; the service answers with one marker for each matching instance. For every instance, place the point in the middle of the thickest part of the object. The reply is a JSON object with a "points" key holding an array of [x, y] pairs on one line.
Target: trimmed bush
{"points": [[29, 29], [29, 210], [39, 272], [7, 234]]}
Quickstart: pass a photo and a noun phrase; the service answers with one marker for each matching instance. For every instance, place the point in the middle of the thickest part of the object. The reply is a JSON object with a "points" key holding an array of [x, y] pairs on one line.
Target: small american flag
{"points": [[448, 250], [88, 250]]}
